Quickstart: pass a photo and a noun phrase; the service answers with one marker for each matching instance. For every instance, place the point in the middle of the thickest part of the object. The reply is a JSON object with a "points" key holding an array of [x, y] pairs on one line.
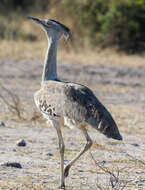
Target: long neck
{"points": [[50, 70]]}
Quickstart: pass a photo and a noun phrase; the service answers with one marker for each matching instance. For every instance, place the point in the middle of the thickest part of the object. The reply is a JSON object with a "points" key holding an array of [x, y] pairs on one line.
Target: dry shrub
{"points": [[12, 101], [16, 107], [115, 182]]}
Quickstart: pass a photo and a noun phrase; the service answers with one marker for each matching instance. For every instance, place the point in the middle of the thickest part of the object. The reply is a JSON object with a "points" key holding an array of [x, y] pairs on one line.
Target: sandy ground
{"points": [[120, 88]]}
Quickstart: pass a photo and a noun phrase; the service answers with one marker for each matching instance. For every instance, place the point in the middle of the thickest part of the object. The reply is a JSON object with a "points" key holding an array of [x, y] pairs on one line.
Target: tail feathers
{"points": [[107, 126], [109, 129]]}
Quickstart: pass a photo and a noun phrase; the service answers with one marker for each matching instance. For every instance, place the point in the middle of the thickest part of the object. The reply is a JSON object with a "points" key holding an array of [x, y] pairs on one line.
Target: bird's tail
{"points": [[106, 125], [109, 129]]}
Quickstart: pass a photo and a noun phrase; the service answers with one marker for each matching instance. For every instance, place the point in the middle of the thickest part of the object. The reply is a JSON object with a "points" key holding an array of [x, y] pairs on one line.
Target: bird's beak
{"points": [[35, 20]]}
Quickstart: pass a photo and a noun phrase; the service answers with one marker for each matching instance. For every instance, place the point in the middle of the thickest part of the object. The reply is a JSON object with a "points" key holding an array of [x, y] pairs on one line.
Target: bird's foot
{"points": [[62, 186], [66, 171]]}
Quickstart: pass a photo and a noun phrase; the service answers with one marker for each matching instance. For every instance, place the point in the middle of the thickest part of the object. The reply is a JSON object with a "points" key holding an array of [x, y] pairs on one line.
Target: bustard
{"points": [[71, 103]]}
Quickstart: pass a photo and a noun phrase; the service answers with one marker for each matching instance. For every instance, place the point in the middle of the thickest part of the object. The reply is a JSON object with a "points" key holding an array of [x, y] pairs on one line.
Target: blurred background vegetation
{"points": [[103, 23]]}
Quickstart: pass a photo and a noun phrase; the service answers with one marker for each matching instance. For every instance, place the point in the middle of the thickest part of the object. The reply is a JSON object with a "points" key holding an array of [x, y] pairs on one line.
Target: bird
{"points": [[68, 103]]}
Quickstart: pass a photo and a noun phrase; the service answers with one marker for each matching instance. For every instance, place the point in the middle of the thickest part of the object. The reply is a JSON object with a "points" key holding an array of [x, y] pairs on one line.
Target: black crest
{"points": [[62, 25]]}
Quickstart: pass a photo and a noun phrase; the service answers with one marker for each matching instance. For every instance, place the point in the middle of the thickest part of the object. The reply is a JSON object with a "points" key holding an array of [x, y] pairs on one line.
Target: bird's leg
{"points": [[84, 149], [61, 149]]}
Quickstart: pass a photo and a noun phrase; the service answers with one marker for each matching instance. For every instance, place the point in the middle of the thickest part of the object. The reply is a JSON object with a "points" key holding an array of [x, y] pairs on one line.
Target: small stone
{"points": [[21, 142], [140, 181], [135, 144], [49, 154], [14, 150], [80, 170], [2, 124], [72, 144], [11, 164]]}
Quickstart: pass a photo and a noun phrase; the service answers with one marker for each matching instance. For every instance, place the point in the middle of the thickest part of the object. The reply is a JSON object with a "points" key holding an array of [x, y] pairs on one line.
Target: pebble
{"points": [[11, 164], [80, 170], [49, 154], [21, 142], [2, 124], [140, 181], [135, 144]]}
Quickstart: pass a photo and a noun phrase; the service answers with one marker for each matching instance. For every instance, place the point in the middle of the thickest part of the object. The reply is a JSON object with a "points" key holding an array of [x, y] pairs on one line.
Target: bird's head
{"points": [[54, 29]]}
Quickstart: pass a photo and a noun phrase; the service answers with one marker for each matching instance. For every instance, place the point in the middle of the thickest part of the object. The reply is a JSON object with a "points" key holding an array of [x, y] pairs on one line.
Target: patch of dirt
{"points": [[120, 88]]}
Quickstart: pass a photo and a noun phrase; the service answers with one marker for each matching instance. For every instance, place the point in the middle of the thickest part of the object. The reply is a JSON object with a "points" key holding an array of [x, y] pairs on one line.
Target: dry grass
{"points": [[36, 50], [114, 181], [130, 118], [70, 51]]}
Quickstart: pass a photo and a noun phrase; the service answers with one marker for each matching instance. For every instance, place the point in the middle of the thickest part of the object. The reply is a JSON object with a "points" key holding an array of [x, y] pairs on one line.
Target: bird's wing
{"points": [[88, 108], [64, 99], [81, 99], [76, 102]]}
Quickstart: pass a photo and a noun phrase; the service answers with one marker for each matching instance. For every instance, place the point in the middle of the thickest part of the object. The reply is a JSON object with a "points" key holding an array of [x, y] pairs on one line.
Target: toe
{"points": [[62, 186], [66, 171]]}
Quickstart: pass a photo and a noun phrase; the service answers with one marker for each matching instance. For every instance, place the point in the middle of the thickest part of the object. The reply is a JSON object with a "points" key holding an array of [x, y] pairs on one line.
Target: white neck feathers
{"points": [[50, 70]]}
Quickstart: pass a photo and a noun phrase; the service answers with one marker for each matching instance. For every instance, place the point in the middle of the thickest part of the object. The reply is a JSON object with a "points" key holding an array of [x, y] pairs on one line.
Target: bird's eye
{"points": [[49, 23]]}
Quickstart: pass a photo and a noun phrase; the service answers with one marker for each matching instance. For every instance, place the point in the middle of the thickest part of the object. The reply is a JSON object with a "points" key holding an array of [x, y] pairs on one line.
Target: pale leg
{"points": [[61, 149], [85, 148]]}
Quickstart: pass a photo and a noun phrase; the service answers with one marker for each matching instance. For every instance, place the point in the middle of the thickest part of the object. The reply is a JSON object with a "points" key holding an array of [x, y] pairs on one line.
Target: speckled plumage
{"points": [[76, 102], [70, 103]]}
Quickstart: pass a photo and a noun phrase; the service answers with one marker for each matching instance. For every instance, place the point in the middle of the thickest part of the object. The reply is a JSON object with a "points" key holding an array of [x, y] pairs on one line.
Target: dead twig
{"points": [[114, 180], [135, 159], [14, 105]]}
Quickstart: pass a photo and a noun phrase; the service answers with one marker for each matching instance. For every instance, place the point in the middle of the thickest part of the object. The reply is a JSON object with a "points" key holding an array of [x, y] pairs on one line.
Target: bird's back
{"points": [[76, 102]]}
